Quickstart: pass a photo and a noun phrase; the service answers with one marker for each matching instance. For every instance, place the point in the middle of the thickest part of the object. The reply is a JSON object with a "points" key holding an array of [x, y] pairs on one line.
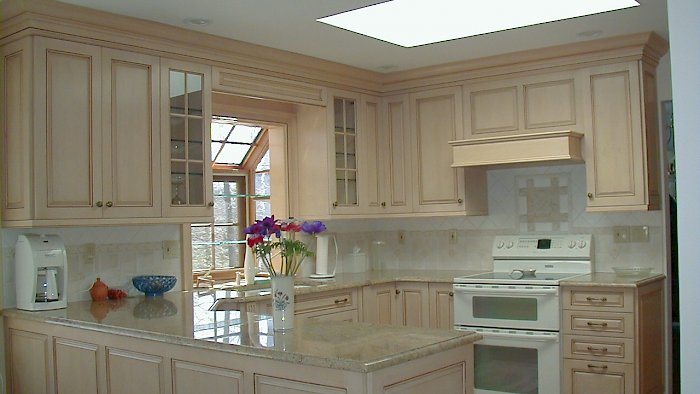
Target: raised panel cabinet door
{"points": [[28, 362], [372, 197], [379, 303], [131, 372], [15, 129], [441, 305], [395, 148], [436, 119], [413, 305], [193, 378], [492, 109], [593, 377], [67, 137], [615, 145], [274, 385], [76, 366], [185, 94], [131, 134]]}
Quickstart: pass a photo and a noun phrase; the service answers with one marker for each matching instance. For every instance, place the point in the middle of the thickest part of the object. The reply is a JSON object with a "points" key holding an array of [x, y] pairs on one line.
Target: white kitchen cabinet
{"points": [[436, 118], [524, 104], [77, 366], [189, 377], [186, 139], [395, 153], [131, 372], [413, 304], [379, 303], [93, 148], [28, 362], [621, 146], [441, 305], [611, 339]]}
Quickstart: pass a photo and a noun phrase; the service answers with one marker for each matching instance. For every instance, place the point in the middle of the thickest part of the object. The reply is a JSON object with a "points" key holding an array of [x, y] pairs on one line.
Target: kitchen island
{"points": [[174, 344]]}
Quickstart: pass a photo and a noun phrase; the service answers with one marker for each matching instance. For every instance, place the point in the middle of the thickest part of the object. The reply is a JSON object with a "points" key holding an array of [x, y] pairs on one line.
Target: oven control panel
{"points": [[543, 246]]}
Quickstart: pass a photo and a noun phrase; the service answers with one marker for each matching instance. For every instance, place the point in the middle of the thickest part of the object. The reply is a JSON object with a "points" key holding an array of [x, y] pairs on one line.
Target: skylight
{"points": [[411, 23], [231, 142]]}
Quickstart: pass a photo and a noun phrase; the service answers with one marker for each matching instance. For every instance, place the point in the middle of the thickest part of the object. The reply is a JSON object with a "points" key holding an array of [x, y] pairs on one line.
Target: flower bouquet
{"points": [[269, 235]]}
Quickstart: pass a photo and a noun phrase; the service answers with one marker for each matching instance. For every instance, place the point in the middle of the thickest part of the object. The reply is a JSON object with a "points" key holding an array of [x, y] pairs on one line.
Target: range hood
{"points": [[546, 148]]}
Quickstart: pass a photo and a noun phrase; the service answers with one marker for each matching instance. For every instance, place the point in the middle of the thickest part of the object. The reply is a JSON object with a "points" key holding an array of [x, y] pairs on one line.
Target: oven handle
{"points": [[466, 289], [505, 335]]}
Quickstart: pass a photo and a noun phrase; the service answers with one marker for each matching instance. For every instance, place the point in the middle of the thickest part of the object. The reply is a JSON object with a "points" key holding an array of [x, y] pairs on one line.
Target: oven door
{"points": [[512, 306], [515, 361]]}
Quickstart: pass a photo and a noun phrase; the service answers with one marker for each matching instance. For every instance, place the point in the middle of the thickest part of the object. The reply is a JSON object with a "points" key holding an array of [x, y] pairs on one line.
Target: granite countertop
{"points": [[610, 279], [345, 281], [183, 318]]}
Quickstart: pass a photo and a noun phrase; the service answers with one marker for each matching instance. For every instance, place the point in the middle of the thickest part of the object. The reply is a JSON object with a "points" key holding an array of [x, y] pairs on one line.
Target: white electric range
{"points": [[516, 309]]}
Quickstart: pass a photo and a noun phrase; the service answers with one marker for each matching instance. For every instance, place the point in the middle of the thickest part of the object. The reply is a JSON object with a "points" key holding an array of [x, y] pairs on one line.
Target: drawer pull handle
{"points": [[343, 301], [601, 299], [597, 349], [591, 324], [593, 366]]}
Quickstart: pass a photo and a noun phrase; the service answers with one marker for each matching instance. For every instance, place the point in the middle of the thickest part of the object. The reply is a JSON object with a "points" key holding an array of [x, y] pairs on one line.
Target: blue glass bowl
{"points": [[154, 285]]}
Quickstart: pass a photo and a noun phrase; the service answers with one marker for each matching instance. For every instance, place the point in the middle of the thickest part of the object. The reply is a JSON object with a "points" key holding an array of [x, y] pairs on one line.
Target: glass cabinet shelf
{"points": [[242, 195], [218, 243]]}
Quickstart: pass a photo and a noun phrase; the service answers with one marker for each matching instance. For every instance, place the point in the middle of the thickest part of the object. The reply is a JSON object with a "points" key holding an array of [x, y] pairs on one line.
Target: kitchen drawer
{"points": [[599, 348], [331, 315], [346, 299], [586, 298], [598, 323], [590, 377]]}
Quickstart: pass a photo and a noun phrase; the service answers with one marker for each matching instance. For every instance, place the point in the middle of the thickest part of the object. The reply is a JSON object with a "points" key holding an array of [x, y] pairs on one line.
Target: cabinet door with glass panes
{"points": [[343, 119], [185, 125]]}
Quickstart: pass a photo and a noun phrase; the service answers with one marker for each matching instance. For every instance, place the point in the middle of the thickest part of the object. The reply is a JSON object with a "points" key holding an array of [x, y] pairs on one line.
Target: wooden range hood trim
{"points": [[553, 146]]}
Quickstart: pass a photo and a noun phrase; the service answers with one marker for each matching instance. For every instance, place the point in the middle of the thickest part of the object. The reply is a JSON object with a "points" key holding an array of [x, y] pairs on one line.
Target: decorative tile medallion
{"points": [[543, 202]]}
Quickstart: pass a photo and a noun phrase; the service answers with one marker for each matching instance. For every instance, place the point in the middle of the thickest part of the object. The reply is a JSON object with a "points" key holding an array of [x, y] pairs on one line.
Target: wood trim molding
{"points": [[60, 20]]}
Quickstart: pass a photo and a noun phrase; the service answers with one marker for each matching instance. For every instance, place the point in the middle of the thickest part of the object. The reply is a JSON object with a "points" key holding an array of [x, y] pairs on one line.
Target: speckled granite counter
{"points": [[183, 318], [610, 279], [344, 281]]}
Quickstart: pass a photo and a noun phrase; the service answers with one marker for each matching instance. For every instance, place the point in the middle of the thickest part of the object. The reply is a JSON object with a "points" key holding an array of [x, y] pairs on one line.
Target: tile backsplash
{"points": [[115, 254], [530, 200]]}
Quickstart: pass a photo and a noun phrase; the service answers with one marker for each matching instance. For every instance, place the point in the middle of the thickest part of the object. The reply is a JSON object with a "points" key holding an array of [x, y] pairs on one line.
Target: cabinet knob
{"points": [[109, 204], [459, 201], [335, 204], [98, 204], [211, 203], [383, 204], [590, 195], [452, 294], [398, 291]]}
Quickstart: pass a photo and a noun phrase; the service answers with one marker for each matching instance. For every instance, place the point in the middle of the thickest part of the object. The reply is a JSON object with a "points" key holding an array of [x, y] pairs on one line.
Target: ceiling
{"points": [[291, 26]]}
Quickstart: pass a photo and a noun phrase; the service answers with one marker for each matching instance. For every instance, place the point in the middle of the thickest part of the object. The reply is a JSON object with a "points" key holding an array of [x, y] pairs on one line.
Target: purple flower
{"points": [[313, 227]]}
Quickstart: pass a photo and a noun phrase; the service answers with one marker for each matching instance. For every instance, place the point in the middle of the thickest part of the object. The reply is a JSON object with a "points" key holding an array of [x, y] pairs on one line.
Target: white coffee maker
{"points": [[40, 272]]}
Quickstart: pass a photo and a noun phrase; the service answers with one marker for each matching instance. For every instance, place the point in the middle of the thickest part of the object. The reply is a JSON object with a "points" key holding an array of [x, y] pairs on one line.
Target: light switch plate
{"points": [[402, 236], [621, 234], [639, 233], [453, 237]]}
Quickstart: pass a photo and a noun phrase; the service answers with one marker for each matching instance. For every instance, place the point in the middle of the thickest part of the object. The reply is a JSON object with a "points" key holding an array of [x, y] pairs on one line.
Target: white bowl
{"points": [[631, 271]]}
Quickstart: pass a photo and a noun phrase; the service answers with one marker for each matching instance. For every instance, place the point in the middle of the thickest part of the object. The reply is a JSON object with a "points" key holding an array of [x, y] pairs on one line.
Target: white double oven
{"points": [[516, 309]]}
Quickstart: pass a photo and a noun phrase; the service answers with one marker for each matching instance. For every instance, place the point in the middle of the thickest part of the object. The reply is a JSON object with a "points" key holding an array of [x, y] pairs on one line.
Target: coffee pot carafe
{"points": [[40, 269]]}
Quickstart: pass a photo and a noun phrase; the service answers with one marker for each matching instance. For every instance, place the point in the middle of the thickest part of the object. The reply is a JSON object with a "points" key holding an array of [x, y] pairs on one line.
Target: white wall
{"points": [[684, 32]]}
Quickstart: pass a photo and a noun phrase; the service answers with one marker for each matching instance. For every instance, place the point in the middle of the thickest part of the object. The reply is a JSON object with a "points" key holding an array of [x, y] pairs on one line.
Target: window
{"points": [[241, 163]]}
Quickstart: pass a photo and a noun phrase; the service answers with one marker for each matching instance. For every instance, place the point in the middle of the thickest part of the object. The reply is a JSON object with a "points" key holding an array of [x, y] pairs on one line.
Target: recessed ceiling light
{"points": [[197, 21], [410, 23]]}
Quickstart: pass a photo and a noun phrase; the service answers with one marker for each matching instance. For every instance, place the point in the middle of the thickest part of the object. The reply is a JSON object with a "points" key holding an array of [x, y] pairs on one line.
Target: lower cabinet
{"points": [[613, 339], [411, 304], [134, 372], [76, 366], [29, 362], [191, 377]]}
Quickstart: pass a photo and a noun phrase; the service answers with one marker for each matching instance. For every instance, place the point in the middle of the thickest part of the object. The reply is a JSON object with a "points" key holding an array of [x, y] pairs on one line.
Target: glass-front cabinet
{"points": [[344, 187], [186, 119]]}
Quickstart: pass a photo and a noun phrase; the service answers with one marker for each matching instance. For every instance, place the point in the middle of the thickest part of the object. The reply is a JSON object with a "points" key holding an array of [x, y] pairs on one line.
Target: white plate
{"points": [[631, 271], [321, 276]]}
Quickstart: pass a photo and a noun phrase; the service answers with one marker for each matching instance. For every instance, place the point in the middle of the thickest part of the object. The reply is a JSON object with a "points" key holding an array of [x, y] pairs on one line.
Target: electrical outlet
{"points": [[89, 253], [621, 234], [171, 249], [639, 233], [453, 237], [402, 237]]}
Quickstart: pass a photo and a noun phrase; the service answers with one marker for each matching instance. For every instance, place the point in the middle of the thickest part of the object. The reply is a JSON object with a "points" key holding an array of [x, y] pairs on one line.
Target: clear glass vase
{"points": [[282, 302]]}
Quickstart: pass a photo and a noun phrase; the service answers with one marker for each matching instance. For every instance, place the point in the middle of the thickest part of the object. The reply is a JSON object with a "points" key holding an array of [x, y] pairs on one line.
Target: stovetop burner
{"points": [[547, 278]]}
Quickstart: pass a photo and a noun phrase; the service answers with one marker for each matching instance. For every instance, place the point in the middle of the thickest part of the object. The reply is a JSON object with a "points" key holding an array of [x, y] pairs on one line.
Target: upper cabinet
{"points": [[622, 143], [436, 119], [524, 105], [186, 139], [83, 136]]}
